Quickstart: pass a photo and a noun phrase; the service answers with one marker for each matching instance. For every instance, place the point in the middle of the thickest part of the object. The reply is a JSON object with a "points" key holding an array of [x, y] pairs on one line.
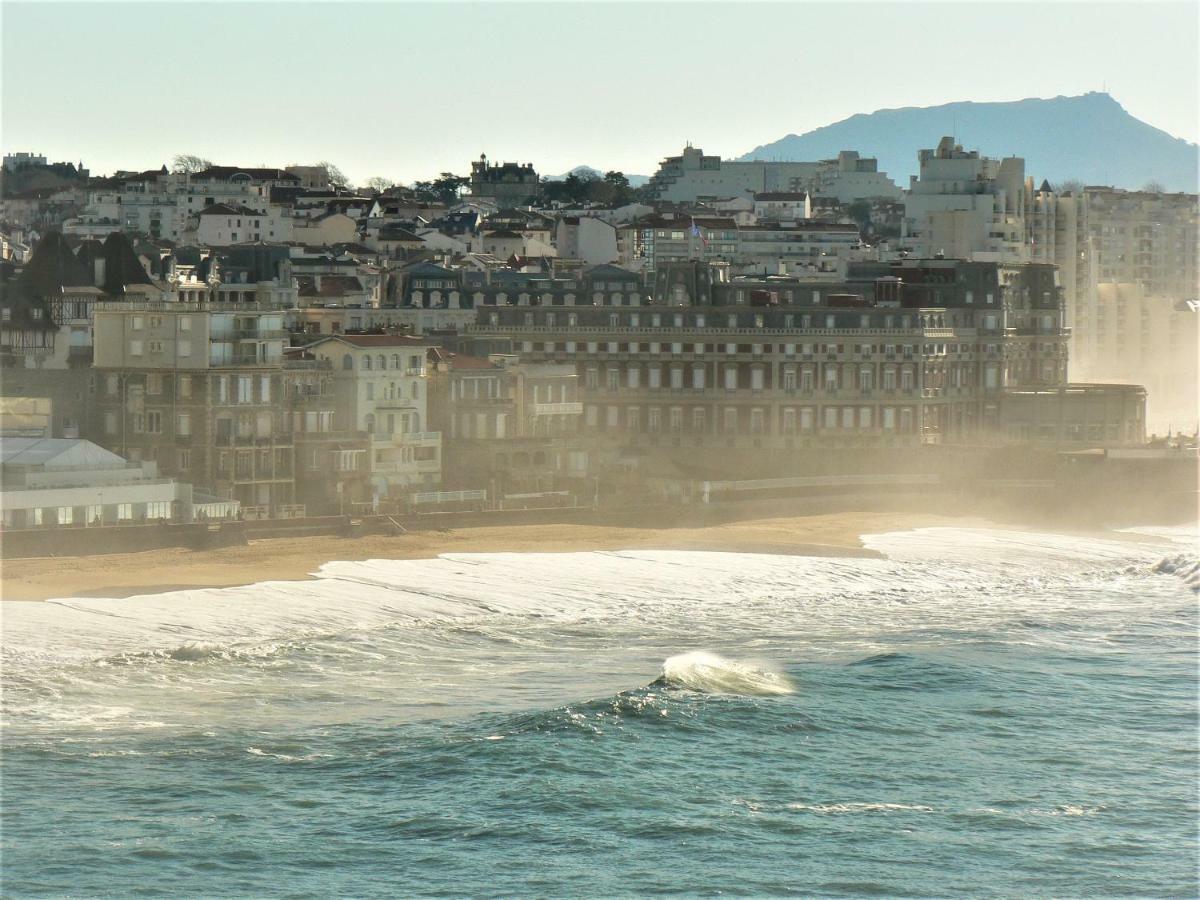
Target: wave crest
{"points": [[1183, 566], [711, 674]]}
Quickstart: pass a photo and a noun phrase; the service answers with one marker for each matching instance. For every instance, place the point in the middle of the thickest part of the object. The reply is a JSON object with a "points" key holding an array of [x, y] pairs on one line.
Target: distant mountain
{"points": [[634, 180], [1089, 138]]}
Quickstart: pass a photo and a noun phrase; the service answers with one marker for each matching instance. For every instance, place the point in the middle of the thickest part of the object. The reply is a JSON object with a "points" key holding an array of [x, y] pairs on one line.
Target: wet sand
{"points": [[293, 559]]}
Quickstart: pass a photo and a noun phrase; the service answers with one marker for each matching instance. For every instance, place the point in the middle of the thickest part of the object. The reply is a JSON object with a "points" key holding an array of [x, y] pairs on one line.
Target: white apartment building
{"points": [[694, 176], [966, 206], [222, 224], [382, 385]]}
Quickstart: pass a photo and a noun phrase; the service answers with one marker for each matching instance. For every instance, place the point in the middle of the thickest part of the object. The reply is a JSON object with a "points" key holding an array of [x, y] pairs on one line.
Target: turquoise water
{"points": [[982, 713]]}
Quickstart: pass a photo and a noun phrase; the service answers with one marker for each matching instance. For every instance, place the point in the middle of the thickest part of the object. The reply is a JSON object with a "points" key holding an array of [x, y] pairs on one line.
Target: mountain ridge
{"points": [[1087, 137]]}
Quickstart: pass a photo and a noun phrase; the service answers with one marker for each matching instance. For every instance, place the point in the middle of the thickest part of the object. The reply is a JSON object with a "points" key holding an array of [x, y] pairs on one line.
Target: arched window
{"points": [[395, 360], [347, 362], [382, 361], [366, 362]]}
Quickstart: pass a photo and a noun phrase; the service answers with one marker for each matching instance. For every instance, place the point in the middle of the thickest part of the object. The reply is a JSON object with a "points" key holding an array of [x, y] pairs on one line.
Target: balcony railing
{"points": [[558, 409]]}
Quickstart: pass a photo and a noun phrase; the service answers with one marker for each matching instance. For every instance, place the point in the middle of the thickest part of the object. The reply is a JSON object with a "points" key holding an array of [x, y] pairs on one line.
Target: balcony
{"points": [[558, 409]]}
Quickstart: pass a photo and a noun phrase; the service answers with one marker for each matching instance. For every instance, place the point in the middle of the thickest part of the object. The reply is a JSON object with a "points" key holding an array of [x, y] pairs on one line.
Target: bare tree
{"points": [[1154, 187], [336, 176], [380, 184], [187, 164], [1070, 186]]}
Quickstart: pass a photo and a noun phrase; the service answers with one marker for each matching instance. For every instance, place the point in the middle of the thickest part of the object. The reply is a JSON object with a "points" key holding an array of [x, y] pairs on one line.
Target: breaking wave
{"points": [[708, 673]]}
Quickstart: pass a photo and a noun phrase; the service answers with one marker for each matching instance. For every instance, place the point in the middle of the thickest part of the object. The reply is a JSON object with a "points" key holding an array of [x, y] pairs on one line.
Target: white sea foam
{"points": [[410, 638], [843, 808], [712, 674]]}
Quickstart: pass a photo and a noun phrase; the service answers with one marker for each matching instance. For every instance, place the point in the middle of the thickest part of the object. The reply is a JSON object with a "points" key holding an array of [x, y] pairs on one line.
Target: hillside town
{"points": [[205, 342]]}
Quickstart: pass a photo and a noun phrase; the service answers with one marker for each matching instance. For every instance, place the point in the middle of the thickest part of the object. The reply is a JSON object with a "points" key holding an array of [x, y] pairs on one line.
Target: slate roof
{"points": [[327, 285]]}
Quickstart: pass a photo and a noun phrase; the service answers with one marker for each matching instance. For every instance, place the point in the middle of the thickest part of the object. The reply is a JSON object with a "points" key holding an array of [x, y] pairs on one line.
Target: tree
{"points": [[186, 164], [380, 184], [444, 189], [1154, 187], [860, 212], [336, 176], [1069, 186]]}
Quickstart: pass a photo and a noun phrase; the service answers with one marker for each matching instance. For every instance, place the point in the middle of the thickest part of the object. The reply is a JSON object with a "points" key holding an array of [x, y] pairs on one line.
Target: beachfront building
{"points": [[381, 383], [197, 387], [511, 429], [896, 354], [54, 482]]}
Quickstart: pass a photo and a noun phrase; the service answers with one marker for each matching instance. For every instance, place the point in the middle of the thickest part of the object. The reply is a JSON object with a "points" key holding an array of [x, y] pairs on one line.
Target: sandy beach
{"points": [[292, 559]]}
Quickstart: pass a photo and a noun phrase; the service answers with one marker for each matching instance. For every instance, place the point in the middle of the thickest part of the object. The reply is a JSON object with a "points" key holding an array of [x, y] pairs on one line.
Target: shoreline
{"points": [[122, 575]]}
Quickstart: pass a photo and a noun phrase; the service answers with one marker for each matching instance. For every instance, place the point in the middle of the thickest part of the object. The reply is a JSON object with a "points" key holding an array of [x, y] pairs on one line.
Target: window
{"points": [[154, 383], [154, 422], [653, 419], [135, 348], [137, 323], [183, 459], [184, 383], [184, 348], [124, 512], [697, 378], [183, 424], [66, 515], [699, 420], [614, 379], [222, 388], [110, 423], [113, 385], [185, 323], [265, 388], [245, 389]]}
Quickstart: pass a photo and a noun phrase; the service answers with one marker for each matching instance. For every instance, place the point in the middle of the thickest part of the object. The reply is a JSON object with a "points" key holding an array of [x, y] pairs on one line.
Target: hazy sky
{"points": [[406, 90]]}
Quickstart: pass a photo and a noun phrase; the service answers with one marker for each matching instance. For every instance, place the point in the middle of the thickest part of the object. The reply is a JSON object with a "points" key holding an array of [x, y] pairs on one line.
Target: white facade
{"points": [[693, 176], [966, 206], [60, 482], [382, 382]]}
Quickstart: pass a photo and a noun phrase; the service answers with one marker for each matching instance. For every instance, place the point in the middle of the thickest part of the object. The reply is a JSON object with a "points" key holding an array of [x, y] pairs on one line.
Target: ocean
{"points": [[979, 713]]}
